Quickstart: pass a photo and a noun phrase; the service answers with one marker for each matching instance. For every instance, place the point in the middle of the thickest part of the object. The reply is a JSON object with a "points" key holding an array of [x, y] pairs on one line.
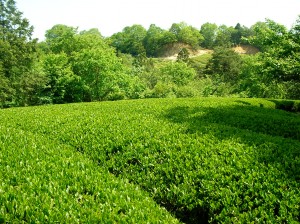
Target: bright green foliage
{"points": [[186, 34], [217, 160], [61, 38], [209, 32], [130, 40], [168, 38], [97, 67], [199, 63], [46, 181], [177, 72], [278, 66], [83, 67], [63, 83]]}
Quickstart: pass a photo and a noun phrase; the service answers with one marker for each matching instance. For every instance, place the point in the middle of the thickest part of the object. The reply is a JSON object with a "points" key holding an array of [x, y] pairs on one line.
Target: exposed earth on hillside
{"points": [[171, 52], [246, 49]]}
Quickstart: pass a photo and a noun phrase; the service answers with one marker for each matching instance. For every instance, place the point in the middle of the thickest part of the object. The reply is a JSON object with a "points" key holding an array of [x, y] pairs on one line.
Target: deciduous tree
{"points": [[187, 34], [209, 32], [17, 50], [130, 40]]}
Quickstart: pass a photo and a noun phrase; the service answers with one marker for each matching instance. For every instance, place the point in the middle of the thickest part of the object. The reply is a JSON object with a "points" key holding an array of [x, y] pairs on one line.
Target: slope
{"points": [[204, 160]]}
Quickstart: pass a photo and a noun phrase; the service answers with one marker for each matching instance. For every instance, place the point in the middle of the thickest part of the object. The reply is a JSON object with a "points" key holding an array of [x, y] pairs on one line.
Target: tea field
{"points": [[204, 160]]}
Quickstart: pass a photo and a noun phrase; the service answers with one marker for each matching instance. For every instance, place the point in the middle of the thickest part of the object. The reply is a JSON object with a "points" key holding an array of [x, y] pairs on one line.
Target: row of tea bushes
{"points": [[204, 160], [44, 181]]}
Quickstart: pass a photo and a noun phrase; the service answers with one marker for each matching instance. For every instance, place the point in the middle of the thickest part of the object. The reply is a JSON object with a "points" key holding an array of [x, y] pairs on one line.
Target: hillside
{"points": [[170, 52], [218, 160]]}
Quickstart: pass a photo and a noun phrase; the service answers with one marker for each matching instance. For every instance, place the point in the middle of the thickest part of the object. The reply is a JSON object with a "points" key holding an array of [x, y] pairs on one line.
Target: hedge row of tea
{"points": [[44, 181], [204, 160]]}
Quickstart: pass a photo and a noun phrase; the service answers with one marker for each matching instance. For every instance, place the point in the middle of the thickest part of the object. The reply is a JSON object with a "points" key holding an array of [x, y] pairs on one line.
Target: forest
{"points": [[83, 66]]}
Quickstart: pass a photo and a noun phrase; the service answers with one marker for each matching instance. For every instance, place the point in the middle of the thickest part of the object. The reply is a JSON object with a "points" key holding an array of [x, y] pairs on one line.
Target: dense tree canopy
{"points": [[154, 40], [17, 51], [61, 38], [187, 34], [209, 32], [130, 40], [74, 66], [226, 64]]}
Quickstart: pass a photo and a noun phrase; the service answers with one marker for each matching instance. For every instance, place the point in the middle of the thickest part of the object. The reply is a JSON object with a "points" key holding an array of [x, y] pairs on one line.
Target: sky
{"points": [[111, 16]]}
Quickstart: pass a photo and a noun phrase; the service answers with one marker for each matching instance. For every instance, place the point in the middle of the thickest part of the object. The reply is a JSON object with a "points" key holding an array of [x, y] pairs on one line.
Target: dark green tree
{"points": [[225, 65], [209, 32], [239, 33], [223, 37], [17, 54], [236, 35], [153, 40]]}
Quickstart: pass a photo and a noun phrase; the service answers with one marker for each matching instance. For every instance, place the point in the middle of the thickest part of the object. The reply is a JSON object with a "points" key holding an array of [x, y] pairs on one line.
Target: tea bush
{"points": [[44, 181], [203, 159]]}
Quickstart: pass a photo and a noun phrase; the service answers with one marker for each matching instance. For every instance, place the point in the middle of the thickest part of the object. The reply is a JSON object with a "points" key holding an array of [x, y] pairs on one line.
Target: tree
{"points": [[100, 70], [209, 32], [5, 88], [186, 34], [61, 79], [275, 72], [17, 51], [295, 31], [61, 38], [239, 33], [83, 67], [15, 36], [178, 73], [130, 40], [223, 38], [153, 40], [269, 35], [280, 52], [168, 38], [93, 31], [225, 64], [183, 55]]}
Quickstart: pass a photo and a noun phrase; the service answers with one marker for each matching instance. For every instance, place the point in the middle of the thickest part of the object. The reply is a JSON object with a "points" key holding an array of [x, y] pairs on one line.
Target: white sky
{"points": [[111, 16]]}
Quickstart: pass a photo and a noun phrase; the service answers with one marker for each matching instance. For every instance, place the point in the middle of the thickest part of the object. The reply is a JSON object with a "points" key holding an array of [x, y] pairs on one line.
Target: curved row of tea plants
{"points": [[205, 160], [44, 181]]}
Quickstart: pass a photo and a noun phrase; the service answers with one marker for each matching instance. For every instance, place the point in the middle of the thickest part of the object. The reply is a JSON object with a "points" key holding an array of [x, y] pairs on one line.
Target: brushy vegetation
{"points": [[204, 160]]}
